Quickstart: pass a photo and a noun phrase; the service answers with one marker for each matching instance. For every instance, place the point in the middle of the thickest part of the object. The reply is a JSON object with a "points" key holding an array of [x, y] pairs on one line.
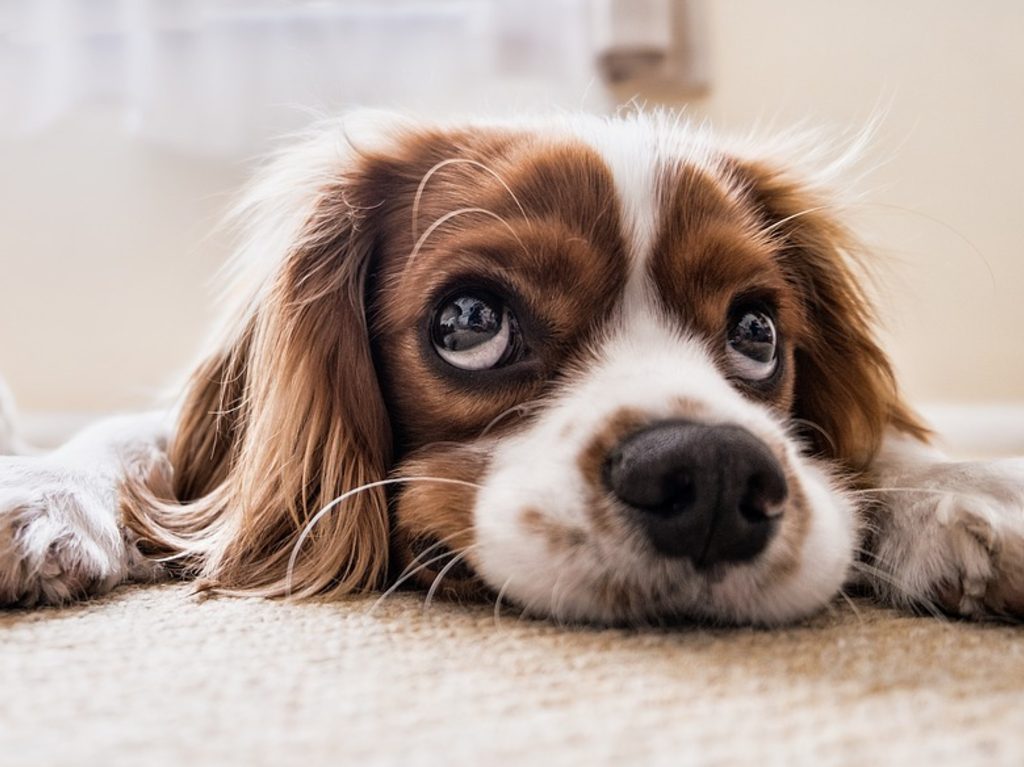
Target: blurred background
{"points": [[126, 128]]}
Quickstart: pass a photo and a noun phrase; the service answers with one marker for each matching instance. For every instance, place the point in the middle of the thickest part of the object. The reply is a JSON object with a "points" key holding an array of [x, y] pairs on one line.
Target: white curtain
{"points": [[220, 76]]}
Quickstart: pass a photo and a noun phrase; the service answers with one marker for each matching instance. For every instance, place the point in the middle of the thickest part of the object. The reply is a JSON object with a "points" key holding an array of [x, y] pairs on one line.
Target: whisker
{"points": [[308, 528], [871, 556], [768, 231], [871, 570], [524, 611], [817, 428], [521, 408], [900, 588], [453, 161], [415, 566], [448, 217], [444, 571], [497, 603], [171, 557], [851, 605], [877, 572], [439, 542], [932, 490], [405, 577], [971, 245]]}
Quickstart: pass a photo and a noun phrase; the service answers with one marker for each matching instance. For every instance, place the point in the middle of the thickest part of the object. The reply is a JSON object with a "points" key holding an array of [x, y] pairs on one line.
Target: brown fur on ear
{"points": [[845, 385], [285, 416]]}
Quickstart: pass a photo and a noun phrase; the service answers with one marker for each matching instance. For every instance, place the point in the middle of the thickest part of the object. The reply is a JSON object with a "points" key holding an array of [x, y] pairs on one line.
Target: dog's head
{"points": [[618, 371]]}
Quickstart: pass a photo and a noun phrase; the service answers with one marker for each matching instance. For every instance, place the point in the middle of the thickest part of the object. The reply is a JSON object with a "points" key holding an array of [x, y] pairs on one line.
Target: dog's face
{"points": [[598, 356]]}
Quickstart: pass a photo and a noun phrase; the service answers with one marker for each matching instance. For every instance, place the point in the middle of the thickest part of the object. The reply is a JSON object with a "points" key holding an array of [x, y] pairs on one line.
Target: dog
{"points": [[607, 370]]}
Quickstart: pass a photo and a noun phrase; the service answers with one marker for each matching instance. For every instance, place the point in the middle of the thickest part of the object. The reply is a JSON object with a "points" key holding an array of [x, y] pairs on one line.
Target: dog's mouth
{"points": [[671, 519]]}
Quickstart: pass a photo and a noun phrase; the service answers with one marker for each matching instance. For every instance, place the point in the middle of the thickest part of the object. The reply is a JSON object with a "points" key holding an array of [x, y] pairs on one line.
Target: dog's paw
{"points": [[59, 535], [952, 535]]}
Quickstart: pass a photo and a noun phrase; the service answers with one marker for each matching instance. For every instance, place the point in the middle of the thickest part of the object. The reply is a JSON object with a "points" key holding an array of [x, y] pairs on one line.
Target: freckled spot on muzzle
{"points": [[558, 536]]}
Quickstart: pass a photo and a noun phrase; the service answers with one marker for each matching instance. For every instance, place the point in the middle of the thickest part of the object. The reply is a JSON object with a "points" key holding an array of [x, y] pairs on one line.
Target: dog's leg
{"points": [[946, 533], [60, 533]]}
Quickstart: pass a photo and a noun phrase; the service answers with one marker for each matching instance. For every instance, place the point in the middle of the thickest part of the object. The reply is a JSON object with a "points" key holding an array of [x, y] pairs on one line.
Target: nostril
{"points": [[763, 497]]}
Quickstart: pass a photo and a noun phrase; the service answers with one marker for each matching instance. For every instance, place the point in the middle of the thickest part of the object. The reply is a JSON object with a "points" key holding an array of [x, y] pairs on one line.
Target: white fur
{"points": [[945, 522], [60, 535], [635, 162], [282, 197], [645, 366]]}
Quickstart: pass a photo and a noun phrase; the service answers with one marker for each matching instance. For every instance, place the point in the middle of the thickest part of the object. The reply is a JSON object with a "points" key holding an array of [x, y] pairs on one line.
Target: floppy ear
{"points": [[286, 414], [845, 384]]}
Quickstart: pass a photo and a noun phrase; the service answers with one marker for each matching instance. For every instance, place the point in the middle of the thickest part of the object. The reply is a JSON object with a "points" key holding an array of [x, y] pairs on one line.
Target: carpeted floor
{"points": [[154, 676]]}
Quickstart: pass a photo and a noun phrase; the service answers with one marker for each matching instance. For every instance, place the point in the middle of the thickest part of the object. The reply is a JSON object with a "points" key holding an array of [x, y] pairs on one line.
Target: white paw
{"points": [[952, 534], [59, 535]]}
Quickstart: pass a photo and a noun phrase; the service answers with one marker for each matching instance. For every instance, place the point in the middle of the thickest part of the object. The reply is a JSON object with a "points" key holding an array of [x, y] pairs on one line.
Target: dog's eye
{"points": [[753, 345], [475, 332]]}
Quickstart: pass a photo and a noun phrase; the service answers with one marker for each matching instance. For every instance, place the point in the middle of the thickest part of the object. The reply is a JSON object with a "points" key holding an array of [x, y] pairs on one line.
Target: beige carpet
{"points": [[153, 676]]}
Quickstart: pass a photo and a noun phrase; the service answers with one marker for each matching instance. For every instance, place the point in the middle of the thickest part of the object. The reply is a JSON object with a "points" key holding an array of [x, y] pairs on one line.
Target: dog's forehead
{"points": [[690, 230], [592, 231], [639, 161], [656, 208]]}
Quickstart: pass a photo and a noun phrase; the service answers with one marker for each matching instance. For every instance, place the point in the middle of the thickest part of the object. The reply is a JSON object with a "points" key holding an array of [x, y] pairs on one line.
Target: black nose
{"points": [[704, 492]]}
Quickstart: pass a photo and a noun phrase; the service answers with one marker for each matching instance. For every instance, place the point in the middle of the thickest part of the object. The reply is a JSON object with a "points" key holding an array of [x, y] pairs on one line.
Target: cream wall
{"points": [[948, 196], [106, 249]]}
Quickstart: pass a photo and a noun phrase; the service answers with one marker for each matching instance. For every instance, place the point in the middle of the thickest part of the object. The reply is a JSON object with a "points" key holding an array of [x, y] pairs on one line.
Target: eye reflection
{"points": [[475, 332], [752, 345]]}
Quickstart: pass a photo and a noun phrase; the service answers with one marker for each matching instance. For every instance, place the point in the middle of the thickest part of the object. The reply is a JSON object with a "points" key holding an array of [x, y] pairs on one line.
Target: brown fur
{"points": [[844, 382], [439, 515], [276, 425]]}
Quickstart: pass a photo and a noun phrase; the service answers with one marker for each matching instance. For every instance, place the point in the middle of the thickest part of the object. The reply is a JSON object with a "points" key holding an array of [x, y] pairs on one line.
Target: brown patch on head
{"points": [[742, 233], [844, 385], [530, 221], [539, 233], [710, 259]]}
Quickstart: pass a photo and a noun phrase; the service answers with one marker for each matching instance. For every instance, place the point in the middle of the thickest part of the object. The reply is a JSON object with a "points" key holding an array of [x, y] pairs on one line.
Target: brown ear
{"points": [[286, 414], [844, 385]]}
